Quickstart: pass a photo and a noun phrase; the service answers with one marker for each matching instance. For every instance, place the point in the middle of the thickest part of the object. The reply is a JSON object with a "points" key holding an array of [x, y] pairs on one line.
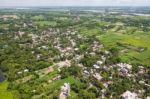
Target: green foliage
{"points": [[73, 70], [114, 57], [86, 95], [88, 60], [42, 64], [7, 94], [121, 86], [94, 91]]}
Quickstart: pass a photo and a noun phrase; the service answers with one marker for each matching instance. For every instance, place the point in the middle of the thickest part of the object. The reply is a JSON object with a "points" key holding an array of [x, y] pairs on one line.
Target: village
{"points": [[49, 61]]}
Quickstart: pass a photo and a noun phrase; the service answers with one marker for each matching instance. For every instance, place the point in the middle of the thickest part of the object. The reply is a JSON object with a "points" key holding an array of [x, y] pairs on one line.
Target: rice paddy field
{"points": [[133, 43]]}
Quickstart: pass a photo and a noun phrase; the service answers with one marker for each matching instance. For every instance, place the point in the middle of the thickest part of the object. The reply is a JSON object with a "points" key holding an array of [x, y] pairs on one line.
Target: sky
{"points": [[74, 3]]}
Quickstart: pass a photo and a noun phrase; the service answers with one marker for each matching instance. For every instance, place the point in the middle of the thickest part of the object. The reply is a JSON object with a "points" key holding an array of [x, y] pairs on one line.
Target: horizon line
{"points": [[82, 6]]}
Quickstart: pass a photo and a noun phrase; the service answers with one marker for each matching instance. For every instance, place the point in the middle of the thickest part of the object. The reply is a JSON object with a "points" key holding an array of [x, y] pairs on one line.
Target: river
{"points": [[2, 77]]}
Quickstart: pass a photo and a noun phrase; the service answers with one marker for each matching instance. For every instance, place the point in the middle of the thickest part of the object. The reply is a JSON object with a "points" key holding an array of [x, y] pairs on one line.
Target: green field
{"points": [[45, 23], [39, 17], [131, 42], [5, 93]]}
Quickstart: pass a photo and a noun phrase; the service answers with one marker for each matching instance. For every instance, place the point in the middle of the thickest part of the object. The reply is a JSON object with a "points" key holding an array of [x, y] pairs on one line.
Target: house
{"points": [[77, 18], [148, 97], [107, 52], [44, 47], [26, 70], [20, 34], [68, 49], [96, 66], [33, 91], [129, 95], [99, 62], [105, 85], [92, 53], [78, 57], [76, 49], [56, 78], [19, 72], [73, 43], [65, 91], [124, 69], [86, 72], [141, 70], [124, 65], [103, 91], [80, 65], [38, 56], [92, 71], [103, 58], [65, 63], [97, 76]]}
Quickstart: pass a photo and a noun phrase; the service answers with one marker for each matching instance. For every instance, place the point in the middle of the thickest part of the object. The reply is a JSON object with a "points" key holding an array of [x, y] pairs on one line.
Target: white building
{"points": [[129, 95], [96, 66], [97, 76], [65, 91], [26, 70]]}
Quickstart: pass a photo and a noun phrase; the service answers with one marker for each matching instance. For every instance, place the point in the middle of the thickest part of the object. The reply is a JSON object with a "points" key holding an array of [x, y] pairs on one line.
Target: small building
{"points": [[148, 97], [129, 95], [141, 70], [124, 69], [97, 76], [56, 78], [86, 72], [65, 63], [19, 72], [99, 62], [76, 49], [96, 66], [26, 70], [65, 91]]}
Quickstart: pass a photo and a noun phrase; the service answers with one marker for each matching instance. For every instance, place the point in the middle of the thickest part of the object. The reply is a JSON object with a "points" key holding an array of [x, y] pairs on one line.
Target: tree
{"points": [[94, 91], [114, 57], [73, 70], [88, 60], [84, 94]]}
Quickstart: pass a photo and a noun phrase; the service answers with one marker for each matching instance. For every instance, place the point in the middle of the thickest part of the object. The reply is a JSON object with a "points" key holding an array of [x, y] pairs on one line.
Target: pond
{"points": [[2, 77]]}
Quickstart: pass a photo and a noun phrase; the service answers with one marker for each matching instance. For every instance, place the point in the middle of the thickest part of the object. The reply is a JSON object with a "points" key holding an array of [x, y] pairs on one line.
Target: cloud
{"points": [[74, 2]]}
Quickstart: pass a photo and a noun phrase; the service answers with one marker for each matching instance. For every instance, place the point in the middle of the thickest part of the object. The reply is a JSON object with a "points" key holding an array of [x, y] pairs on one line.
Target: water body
{"points": [[140, 14], [2, 77]]}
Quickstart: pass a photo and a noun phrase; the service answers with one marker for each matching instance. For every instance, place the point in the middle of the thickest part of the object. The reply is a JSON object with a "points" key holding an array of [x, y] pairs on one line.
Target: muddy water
{"points": [[2, 77]]}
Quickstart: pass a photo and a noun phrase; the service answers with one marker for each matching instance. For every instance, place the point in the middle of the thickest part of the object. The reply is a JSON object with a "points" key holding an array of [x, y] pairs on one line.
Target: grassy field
{"points": [[39, 17], [130, 38], [57, 84], [5, 93], [89, 32], [135, 41]]}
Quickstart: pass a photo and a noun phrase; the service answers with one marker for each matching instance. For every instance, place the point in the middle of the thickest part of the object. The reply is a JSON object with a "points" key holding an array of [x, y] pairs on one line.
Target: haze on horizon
{"points": [[12, 3]]}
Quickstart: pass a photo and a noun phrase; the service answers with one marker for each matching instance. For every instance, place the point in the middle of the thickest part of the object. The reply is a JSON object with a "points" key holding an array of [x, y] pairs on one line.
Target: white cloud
{"points": [[73, 2]]}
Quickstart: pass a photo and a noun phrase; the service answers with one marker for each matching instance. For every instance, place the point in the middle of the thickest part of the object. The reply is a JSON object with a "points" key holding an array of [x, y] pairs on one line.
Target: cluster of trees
{"points": [[137, 21], [71, 71]]}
